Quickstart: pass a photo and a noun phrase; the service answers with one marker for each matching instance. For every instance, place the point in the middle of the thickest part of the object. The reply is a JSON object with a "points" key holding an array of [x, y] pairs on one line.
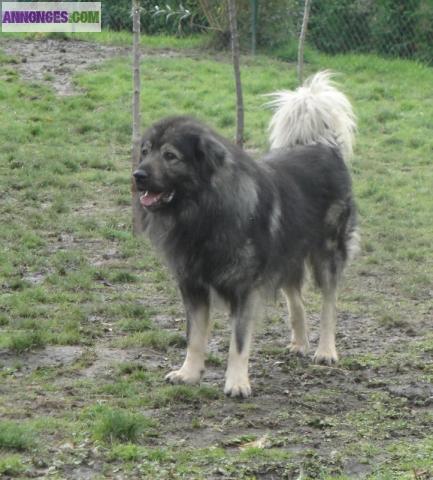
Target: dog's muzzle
{"points": [[140, 178], [151, 197]]}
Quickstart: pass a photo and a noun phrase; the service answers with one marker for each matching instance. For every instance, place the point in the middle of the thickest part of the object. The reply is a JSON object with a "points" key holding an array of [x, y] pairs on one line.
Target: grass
{"points": [[183, 394], [122, 38], [72, 275], [158, 339], [24, 340], [14, 436], [11, 465], [115, 425]]}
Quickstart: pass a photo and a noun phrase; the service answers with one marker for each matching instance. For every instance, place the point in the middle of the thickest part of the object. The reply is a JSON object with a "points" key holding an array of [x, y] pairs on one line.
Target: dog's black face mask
{"points": [[177, 162], [159, 167]]}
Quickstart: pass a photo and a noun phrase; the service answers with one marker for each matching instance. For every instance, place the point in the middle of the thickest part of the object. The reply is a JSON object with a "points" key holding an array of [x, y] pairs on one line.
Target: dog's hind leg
{"points": [[243, 315], [328, 263], [196, 302], [327, 271], [299, 343], [326, 351]]}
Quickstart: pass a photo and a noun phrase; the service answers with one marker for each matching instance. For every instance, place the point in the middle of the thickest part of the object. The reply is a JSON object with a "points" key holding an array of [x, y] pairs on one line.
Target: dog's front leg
{"points": [[243, 314], [196, 302]]}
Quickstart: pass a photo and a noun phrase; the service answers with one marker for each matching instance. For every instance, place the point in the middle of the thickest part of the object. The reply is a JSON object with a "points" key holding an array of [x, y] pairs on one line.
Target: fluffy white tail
{"points": [[315, 113]]}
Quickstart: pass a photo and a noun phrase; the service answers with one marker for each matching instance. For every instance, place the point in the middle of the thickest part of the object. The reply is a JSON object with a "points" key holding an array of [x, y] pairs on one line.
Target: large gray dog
{"points": [[243, 229]]}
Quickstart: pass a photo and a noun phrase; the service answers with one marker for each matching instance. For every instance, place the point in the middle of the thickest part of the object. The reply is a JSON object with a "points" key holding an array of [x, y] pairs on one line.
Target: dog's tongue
{"points": [[149, 198]]}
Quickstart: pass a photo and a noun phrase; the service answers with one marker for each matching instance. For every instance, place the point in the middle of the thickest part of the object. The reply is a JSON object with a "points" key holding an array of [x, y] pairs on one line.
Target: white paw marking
{"points": [[237, 387], [299, 348], [327, 356], [184, 375]]}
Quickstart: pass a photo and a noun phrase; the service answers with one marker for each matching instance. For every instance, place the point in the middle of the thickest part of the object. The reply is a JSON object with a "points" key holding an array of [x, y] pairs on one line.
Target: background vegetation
{"points": [[402, 28], [390, 27]]}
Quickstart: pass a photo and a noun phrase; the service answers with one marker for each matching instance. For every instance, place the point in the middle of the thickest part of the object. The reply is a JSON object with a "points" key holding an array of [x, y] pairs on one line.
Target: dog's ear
{"points": [[211, 153]]}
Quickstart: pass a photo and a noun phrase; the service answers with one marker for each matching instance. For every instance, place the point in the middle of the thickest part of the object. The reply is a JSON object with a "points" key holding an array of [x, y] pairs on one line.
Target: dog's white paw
{"points": [[326, 356], [299, 348], [237, 387], [184, 375]]}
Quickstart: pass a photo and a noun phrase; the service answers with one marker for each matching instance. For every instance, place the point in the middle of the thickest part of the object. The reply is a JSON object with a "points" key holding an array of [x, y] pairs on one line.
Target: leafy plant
{"points": [[178, 15], [171, 18]]}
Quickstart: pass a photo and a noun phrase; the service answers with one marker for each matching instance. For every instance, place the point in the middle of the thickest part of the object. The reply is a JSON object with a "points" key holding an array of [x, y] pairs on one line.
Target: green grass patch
{"points": [[123, 277], [158, 339], [162, 42], [214, 360], [288, 52], [16, 436], [22, 341], [128, 452], [11, 465], [135, 324], [174, 394], [413, 457], [115, 425]]}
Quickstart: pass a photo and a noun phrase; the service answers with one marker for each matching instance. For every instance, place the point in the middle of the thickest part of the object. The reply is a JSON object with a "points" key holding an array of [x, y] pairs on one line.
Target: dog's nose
{"points": [[140, 175]]}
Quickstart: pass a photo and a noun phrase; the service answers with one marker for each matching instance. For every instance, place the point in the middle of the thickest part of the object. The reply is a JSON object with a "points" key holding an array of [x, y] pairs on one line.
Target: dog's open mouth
{"points": [[155, 199]]}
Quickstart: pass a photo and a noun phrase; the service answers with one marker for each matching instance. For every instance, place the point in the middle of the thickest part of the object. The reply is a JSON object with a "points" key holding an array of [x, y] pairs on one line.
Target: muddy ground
{"points": [[54, 62], [317, 413], [378, 394]]}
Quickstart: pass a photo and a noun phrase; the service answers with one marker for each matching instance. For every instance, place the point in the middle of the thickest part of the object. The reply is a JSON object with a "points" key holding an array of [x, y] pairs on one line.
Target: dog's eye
{"points": [[169, 156], [145, 148]]}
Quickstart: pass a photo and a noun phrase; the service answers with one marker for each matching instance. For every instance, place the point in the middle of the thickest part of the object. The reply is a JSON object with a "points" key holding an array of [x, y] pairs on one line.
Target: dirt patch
{"points": [[48, 357], [107, 359], [418, 394], [97, 362], [54, 62]]}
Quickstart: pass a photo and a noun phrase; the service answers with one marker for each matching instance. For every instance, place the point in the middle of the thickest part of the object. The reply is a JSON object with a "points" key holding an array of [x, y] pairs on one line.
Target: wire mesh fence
{"points": [[397, 28]]}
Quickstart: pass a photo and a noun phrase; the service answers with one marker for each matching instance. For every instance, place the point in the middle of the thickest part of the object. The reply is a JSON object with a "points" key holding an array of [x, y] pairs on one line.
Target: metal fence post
{"points": [[254, 15]]}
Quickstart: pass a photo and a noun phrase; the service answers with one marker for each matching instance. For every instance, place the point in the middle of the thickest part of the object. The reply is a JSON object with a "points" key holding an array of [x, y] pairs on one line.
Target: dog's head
{"points": [[178, 158]]}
